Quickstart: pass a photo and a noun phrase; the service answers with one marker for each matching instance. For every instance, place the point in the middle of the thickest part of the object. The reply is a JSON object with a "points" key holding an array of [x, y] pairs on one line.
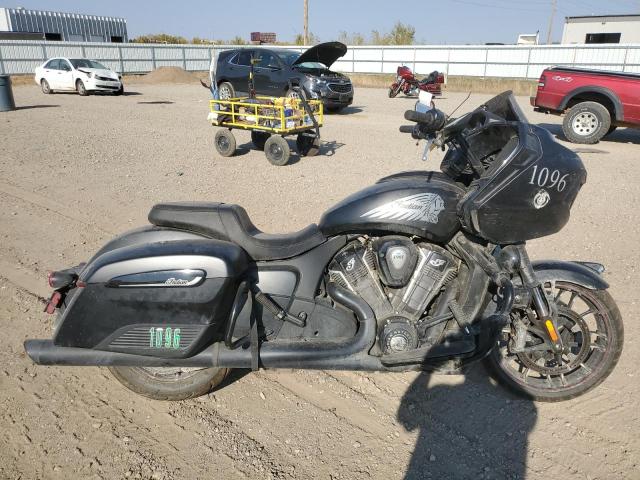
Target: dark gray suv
{"points": [[277, 67]]}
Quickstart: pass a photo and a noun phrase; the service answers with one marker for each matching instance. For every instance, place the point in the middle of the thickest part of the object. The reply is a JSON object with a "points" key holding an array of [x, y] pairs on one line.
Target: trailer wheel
{"points": [[586, 122], [169, 383], [259, 138], [225, 143], [277, 150], [307, 146]]}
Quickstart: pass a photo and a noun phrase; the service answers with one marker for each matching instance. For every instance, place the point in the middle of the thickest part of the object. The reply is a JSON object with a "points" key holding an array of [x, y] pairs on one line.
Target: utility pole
{"points": [[554, 5], [306, 22]]}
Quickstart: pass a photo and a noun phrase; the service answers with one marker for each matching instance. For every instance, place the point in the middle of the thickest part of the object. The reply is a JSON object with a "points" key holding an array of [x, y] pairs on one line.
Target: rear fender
{"points": [[585, 274]]}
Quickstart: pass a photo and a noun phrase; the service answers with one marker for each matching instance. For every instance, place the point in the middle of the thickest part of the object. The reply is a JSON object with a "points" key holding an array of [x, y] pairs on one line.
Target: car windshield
{"points": [[312, 65], [84, 63], [288, 56]]}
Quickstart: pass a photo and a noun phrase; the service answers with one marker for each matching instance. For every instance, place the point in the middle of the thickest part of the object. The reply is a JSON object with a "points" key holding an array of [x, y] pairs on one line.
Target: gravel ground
{"points": [[74, 171]]}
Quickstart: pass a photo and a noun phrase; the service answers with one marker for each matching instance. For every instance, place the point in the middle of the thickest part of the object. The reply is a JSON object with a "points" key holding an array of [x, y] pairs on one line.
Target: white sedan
{"points": [[78, 74]]}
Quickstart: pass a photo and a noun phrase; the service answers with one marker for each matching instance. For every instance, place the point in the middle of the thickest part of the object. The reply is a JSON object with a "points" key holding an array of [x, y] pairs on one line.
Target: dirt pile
{"points": [[168, 75]]}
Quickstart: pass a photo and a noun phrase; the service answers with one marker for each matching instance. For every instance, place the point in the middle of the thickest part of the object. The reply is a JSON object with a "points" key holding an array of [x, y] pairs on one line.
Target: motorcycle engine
{"points": [[398, 279]]}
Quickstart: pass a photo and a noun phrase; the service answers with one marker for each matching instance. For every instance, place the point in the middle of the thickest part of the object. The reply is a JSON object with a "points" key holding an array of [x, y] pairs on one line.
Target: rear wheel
{"points": [[307, 146], [277, 150], [226, 91], [225, 143], [590, 326], [169, 383], [259, 138], [46, 89], [82, 90], [586, 122]]}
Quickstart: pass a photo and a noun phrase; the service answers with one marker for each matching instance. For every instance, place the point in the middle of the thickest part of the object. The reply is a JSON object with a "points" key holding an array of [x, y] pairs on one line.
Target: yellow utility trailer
{"points": [[269, 119]]}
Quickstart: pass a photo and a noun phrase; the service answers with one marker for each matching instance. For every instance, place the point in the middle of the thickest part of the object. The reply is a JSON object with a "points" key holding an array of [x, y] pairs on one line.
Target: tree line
{"points": [[400, 34]]}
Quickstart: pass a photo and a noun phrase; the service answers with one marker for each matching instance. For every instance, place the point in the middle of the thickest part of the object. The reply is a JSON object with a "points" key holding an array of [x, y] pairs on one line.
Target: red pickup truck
{"points": [[595, 102]]}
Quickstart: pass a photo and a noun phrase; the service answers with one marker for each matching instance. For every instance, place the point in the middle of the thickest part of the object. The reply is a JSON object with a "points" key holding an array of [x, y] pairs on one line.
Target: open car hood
{"points": [[325, 53]]}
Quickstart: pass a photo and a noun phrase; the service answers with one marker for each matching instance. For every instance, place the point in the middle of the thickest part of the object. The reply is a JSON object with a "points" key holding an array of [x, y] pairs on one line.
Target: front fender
{"points": [[574, 272]]}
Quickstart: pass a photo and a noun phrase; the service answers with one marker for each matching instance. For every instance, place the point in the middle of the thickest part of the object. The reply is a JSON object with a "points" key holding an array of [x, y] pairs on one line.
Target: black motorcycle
{"points": [[421, 271]]}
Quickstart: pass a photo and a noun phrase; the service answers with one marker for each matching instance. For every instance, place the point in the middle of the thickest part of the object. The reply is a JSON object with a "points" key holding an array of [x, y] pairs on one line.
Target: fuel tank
{"points": [[414, 203]]}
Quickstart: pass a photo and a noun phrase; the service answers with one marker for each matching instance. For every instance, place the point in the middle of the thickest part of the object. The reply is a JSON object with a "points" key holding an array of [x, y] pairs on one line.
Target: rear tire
{"points": [[307, 146], [259, 139], [46, 89], [82, 90], [277, 150], [586, 123], [169, 383], [590, 358], [225, 143]]}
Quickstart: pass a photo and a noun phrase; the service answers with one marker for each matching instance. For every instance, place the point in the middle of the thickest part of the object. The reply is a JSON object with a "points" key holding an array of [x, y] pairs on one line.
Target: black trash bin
{"points": [[6, 94]]}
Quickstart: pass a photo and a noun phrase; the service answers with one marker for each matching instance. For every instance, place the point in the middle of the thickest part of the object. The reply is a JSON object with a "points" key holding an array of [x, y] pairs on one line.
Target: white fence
{"points": [[22, 57]]}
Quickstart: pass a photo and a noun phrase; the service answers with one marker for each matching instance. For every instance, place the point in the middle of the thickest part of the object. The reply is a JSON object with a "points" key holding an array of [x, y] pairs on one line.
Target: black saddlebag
{"points": [[165, 299]]}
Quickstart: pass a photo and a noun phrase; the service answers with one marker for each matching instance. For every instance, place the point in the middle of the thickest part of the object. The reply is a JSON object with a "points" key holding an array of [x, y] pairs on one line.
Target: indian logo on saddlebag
{"points": [[421, 207]]}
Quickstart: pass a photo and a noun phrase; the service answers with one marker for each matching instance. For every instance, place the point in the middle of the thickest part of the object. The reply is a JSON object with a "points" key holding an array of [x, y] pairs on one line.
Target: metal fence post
{"points": [[153, 58], [624, 62], [2, 71], [528, 63], [82, 51], [382, 60], [184, 58], [414, 59], [44, 52], [486, 59], [120, 58]]}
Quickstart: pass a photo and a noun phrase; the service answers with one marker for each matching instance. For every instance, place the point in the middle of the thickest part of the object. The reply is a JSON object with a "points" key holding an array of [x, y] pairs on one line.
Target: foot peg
{"points": [[278, 311]]}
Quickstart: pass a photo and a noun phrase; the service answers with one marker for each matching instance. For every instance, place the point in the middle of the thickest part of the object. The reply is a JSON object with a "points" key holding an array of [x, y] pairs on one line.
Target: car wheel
{"points": [[46, 88], [277, 150], [226, 91], [120, 91], [82, 90], [294, 94], [225, 143], [586, 122]]}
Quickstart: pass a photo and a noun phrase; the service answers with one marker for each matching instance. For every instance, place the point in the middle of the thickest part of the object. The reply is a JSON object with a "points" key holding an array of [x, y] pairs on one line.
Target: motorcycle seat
{"points": [[231, 223]]}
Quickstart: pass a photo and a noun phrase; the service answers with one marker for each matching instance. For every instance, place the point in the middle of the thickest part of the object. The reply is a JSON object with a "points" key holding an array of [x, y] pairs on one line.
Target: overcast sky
{"points": [[435, 21]]}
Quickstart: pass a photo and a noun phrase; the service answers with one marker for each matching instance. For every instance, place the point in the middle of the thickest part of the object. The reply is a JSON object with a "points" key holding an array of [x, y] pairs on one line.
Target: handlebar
{"points": [[429, 122], [406, 128]]}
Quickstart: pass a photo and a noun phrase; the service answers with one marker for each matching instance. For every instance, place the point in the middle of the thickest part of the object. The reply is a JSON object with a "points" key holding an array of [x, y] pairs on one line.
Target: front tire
{"points": [[586, 123], [82, 90], [277, 150], [225, 143], [591, 329], [168, 383], [46, 88]]}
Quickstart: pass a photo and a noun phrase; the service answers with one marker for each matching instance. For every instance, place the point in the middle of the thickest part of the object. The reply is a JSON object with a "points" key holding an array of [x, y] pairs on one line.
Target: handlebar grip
{"points": [[406, 128], [431, 121]]}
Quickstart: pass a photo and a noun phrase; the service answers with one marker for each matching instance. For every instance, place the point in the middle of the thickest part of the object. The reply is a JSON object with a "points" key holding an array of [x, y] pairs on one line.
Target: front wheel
{"points": [[394, 90], [82, 90], [169, 383], [590, 326], [46, 88]]}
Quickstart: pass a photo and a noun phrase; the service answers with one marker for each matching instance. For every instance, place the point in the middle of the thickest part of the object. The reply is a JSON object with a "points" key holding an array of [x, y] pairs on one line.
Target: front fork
{"points": [[546, 317]]}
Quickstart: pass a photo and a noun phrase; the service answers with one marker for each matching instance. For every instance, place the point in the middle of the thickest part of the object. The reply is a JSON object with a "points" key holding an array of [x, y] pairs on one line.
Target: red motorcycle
{"points": [[407, 83]]}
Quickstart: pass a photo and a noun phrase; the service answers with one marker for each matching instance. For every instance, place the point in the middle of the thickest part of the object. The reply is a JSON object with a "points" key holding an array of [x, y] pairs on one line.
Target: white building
{"points": [[602, 29], [25, 24]]}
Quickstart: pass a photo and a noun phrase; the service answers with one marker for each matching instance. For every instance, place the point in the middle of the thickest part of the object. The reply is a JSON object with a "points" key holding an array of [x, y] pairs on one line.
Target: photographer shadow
{"points": [[471, 430]]}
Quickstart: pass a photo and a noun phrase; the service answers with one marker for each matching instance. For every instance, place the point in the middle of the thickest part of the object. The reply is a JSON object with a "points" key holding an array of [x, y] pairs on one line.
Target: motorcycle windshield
{"points": [[505, 105]]}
